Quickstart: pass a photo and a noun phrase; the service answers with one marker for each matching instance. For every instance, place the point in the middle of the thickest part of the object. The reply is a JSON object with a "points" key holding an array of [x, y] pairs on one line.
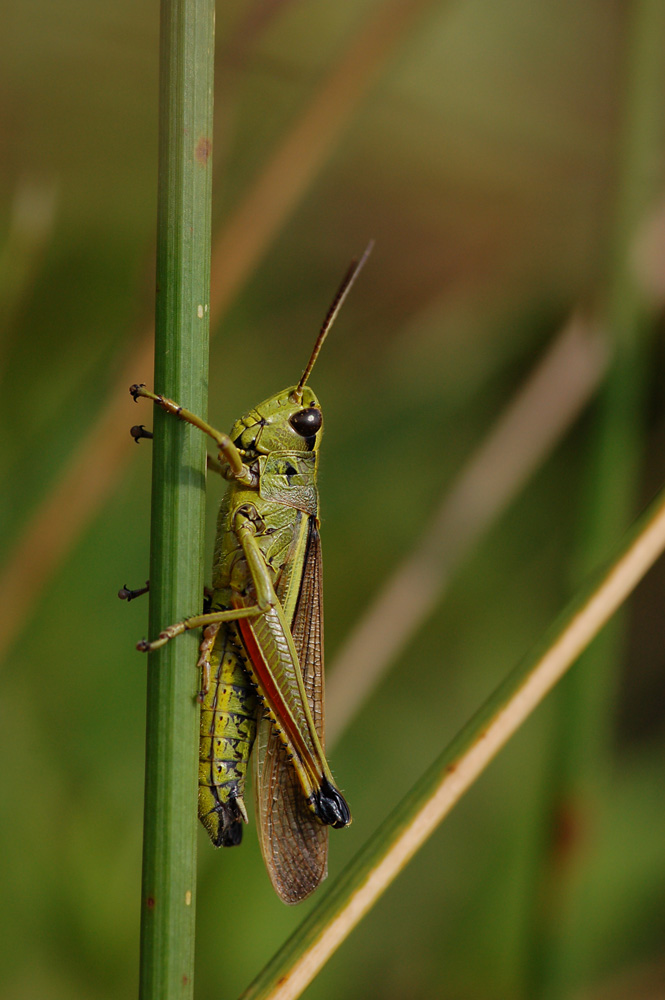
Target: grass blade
{"points": [[463, 760], [177, 536]]}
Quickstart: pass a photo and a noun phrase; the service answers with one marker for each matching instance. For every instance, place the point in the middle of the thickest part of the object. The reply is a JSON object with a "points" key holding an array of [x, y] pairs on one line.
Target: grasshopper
{"points": [[261, 657]]}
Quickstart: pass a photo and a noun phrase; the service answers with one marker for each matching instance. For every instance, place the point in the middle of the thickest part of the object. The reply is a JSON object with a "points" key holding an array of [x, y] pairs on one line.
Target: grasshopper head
{"points": [[290, 421]]}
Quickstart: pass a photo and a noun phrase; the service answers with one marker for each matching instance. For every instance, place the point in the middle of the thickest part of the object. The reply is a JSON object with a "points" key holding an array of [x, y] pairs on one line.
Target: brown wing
{"points": [[293, 841]]}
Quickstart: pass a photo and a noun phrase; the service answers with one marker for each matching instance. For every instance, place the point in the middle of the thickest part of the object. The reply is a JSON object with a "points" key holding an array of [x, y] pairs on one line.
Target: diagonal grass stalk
{"points": [[454, 771], [178, 495]]}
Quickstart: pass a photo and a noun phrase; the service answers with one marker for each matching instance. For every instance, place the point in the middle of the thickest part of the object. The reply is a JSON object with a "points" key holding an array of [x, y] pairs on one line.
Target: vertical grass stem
{"points": [[177, 534]]}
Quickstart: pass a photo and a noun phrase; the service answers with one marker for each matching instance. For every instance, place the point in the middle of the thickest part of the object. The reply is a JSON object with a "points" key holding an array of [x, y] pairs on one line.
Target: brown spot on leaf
{"points": [[569, 829], [203, 150], [150, 902]]}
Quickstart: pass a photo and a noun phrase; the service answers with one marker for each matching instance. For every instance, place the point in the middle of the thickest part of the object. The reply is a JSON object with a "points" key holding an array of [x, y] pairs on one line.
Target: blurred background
{"points": [[507, 160]]}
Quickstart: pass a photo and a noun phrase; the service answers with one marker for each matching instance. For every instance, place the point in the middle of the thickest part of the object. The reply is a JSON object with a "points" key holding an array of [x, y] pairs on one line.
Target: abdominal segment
{"points": [[228, 728]]}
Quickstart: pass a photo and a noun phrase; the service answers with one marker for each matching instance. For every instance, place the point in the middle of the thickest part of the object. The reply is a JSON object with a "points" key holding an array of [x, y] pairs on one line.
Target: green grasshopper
{"points": [[262, 651]]}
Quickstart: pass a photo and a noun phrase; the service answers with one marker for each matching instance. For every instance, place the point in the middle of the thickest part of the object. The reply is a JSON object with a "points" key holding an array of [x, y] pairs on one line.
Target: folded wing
{"points": [[293, 841]]}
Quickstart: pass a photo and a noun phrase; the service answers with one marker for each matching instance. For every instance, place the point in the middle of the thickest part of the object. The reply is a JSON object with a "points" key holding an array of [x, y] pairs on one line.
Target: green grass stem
{"points": [[177, 535]]}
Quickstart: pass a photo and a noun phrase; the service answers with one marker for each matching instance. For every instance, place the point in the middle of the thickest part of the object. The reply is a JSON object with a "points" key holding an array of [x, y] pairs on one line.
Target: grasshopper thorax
{"points": [[288, 422]]}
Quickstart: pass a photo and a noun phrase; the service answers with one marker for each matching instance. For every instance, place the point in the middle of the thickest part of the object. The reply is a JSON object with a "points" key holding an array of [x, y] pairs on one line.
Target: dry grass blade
{"points": [[545, 407], [418, 815], [88, 477]]}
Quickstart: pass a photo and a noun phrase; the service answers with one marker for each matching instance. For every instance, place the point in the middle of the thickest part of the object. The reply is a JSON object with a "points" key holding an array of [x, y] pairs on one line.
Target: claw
{"points": [[139, 431], [149, 647], [125, 594], [135, 390]]}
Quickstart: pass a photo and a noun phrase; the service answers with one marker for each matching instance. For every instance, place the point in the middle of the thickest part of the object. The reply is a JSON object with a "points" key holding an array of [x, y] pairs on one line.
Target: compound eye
{"points": [[307, 422]]}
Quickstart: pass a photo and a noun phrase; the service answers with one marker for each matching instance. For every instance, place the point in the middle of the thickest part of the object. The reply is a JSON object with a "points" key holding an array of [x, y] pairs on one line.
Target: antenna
{"points": [[355, 267]]}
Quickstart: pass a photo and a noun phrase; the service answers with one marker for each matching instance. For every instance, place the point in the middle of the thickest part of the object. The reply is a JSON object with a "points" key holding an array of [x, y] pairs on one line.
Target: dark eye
{"points": [[307, 422]]}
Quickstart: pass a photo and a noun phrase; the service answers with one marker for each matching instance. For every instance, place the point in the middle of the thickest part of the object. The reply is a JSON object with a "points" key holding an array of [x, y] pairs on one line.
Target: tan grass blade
{"points": [[455, 770]]}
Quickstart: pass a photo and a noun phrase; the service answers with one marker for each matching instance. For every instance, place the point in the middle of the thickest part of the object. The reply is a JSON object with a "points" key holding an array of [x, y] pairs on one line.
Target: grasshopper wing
{"points": [[294, 843]]}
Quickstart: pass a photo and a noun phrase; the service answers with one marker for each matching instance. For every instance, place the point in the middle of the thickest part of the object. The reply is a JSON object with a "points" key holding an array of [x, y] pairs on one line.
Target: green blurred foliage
{"points": [[481, 162]]}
